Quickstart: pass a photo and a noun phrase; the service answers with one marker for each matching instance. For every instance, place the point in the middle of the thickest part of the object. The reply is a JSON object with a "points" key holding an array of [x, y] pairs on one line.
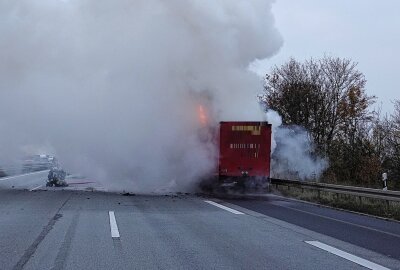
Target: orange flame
{"points": [[202, 115]]}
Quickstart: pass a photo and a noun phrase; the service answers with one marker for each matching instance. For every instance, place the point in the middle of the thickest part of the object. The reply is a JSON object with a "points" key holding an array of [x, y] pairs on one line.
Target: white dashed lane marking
{"points": [[233, 211], [347, 256], [35, 188], [113, 225]]}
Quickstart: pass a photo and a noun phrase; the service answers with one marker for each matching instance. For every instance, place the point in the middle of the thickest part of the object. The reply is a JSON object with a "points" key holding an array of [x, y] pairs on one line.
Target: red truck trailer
{"points": [[244, 154]]}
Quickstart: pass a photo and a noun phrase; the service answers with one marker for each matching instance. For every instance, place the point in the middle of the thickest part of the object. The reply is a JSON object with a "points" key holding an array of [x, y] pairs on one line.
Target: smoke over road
{"points": [[112, 87], [293, 151]]}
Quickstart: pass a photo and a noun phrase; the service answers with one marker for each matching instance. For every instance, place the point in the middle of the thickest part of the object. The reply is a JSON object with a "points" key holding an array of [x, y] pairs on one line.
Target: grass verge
{"points": [[376, 207]]}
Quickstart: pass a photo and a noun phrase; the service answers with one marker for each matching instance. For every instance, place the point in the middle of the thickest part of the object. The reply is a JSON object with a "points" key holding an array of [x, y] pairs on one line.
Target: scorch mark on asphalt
{"points": [[233, 211], [32, 248], [347, 256]]}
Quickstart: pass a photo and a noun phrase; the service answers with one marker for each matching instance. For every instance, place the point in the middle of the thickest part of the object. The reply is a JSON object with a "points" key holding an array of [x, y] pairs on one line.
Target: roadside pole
{"points": [[384, 179]]}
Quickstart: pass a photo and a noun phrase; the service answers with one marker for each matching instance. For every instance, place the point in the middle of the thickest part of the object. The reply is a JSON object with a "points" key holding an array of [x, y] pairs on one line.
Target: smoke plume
{"points": [[112, 87], [293, 151]]}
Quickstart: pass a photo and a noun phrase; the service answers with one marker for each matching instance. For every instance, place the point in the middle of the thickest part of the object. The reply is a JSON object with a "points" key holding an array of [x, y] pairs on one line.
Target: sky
{"points": [[367, 31]]}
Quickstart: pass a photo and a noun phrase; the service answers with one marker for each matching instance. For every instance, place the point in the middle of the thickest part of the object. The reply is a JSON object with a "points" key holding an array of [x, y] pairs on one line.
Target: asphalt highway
{"points": [[25, 181], [37, 180], [376, 234], [71, 229]]}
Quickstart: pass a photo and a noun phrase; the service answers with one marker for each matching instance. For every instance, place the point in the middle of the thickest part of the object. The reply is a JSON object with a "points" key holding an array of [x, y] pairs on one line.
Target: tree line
{"points": [[328, 97]]}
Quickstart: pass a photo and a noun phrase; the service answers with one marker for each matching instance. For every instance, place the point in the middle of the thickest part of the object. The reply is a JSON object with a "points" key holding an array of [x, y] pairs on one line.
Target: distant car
{"points": [[56, 177], [2, 173], [38, 163]]}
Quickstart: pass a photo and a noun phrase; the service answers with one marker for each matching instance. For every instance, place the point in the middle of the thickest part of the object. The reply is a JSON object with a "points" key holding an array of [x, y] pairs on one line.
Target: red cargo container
{"points": [[245, 151]]}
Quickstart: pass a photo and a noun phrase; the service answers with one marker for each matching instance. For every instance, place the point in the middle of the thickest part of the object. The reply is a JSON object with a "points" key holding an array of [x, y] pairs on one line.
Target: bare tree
{"points": [[325, 96], [328, 98], [394, 146]]}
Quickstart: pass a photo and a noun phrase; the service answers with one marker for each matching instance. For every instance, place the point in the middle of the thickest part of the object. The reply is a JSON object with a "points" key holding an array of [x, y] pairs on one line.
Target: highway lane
{"points": [[37, 181], [24, 181], [375, 234], [72, 230]]}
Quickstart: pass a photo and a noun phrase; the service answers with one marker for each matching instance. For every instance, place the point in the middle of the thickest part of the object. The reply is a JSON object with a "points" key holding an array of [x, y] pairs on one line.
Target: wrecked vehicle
{"points": [[56, 177]]}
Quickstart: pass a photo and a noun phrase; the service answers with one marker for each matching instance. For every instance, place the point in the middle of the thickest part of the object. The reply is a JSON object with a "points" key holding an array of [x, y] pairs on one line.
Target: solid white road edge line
{"points": [[20, 175], [341, 221], [347, 256], [233, 211], [113, 225], [35, 188]]}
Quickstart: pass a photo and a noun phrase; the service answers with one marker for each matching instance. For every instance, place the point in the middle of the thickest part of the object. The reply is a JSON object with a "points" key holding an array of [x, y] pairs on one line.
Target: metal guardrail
{"points": [[339, 189]]}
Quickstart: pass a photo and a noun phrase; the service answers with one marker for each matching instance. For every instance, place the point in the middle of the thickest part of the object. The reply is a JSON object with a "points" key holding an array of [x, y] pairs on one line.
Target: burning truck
{"points": [[244, 156]]}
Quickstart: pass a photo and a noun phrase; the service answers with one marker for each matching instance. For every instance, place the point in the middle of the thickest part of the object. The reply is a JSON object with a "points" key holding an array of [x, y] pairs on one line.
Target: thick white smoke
{"points": [[293, 151], [112, 87]]}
